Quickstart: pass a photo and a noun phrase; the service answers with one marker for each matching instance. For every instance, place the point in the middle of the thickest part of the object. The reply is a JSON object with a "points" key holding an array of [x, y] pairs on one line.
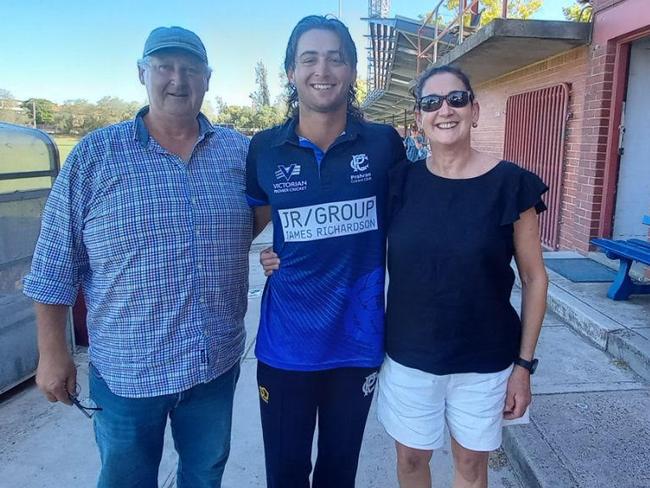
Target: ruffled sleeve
{"points": [[526, 192], [396, 182]]}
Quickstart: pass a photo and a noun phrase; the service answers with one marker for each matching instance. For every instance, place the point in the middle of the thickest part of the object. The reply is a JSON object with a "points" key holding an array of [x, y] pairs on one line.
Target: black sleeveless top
{"points": [[450, 243]]}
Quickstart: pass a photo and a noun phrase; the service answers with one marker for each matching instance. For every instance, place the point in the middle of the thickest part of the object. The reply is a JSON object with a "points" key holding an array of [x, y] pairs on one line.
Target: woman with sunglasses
{"points": [[457, 352]]}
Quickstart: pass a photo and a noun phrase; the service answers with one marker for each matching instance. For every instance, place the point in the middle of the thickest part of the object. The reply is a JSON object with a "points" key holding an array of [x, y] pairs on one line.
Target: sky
{"points": [[71, 49]]}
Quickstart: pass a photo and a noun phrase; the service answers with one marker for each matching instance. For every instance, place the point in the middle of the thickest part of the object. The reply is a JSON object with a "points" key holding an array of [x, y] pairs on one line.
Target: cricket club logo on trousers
{"points": [[369, 385]]}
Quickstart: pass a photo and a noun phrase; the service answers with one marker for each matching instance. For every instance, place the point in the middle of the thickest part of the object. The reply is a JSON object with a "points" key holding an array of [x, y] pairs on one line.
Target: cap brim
{"points": [[182, 47]]}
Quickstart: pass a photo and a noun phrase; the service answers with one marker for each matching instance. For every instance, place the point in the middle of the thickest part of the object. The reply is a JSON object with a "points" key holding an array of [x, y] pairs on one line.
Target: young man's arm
{"points": [[261, 218]]}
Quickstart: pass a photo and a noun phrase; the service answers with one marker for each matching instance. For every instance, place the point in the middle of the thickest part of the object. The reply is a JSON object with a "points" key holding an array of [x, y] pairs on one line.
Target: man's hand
{"points": [[518, 395], [56, 376], [269, 261]]}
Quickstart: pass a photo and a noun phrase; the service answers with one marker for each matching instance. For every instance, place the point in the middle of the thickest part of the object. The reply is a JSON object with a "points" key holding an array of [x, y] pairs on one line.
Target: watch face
{"points": [[533, 366]]}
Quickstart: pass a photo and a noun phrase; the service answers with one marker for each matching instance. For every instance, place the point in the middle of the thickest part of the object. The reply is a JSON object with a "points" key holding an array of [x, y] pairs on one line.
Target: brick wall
{"points": [[593, 150], [580, 178], [599, 5]]}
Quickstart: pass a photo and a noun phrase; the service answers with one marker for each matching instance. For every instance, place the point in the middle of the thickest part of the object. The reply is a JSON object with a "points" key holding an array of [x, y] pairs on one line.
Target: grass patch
{"points": [[65, 145]]}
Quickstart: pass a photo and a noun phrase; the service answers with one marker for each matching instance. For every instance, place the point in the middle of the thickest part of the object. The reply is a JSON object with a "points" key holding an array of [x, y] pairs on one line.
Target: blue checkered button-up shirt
{"points": [[160, 247]]}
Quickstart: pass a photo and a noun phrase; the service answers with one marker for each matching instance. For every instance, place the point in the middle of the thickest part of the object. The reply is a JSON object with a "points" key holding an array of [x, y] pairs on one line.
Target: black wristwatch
{"points": [[531, 366]]}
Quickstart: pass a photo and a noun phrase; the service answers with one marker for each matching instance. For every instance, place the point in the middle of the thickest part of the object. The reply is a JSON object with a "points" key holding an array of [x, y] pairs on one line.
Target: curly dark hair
{"points": [[349, 55]]}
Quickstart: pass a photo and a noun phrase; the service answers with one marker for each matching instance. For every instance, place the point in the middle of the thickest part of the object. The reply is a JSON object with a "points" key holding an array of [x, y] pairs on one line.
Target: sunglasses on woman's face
{"points": [[433, 102]]}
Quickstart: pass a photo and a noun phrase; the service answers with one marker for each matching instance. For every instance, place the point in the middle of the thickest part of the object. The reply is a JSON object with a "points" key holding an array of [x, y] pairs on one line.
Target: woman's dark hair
{"points": [[428, 73], [349, 55]]}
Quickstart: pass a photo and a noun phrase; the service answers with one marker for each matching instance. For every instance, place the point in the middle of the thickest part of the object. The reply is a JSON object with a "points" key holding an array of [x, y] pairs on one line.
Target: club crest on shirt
{"points": [[359, 165], [284, 179]]}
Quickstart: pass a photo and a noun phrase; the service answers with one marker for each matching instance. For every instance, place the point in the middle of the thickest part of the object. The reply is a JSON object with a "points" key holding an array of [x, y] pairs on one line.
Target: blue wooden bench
{"points": [[626, 251]]}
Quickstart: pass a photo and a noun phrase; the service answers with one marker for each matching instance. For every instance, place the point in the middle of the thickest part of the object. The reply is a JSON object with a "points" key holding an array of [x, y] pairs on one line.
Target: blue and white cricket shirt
{"points": [[324, 307]]}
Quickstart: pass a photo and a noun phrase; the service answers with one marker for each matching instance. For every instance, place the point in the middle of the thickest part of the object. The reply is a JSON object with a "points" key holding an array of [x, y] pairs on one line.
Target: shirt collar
{"points": [[141, 134], [288, 134]]}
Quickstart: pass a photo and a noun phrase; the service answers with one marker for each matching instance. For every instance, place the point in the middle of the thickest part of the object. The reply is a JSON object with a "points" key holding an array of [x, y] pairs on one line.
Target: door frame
{"points": [[612, 158]]}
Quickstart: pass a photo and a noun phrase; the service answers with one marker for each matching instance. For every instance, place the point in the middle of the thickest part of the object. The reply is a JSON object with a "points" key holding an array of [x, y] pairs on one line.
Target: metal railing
{"points": [[535, 138], [455, 31]]}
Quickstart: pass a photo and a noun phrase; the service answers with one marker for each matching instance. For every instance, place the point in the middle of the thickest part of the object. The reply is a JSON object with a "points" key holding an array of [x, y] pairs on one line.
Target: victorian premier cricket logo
{"points": [[283, 179], [333, 219]]}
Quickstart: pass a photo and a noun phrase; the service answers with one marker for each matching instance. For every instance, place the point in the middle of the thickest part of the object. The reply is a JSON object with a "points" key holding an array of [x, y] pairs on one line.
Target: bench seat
{"points": [[626, 251]]}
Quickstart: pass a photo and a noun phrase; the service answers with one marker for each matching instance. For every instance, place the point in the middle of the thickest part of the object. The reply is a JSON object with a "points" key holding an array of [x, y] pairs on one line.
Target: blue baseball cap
{"points": [[175, 37]]}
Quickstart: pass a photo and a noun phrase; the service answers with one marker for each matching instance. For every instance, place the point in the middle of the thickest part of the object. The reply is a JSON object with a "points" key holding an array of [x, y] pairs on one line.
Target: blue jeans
{"points": [[130, 433]]}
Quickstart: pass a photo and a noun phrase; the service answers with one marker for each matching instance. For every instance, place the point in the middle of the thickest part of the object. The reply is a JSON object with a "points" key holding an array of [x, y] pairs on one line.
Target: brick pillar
{"points": [[593, 146]]}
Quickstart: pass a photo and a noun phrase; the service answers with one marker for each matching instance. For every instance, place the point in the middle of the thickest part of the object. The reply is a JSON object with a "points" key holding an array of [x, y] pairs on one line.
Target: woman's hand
{"points": [[269, 261], [518, 394]]}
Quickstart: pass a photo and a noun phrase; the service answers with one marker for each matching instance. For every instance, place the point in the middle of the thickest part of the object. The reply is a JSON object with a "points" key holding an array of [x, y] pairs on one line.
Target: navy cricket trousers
{"points": [[290, 404]]}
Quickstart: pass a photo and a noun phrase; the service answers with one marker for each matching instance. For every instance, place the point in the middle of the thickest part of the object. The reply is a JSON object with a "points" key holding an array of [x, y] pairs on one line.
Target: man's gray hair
{"points": [[146, 61]]}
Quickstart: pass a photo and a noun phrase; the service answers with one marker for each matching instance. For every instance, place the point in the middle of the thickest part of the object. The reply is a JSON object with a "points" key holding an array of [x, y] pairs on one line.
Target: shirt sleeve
{"points": [[527, 193], [396, 182], [255, 195], [60, 259]]}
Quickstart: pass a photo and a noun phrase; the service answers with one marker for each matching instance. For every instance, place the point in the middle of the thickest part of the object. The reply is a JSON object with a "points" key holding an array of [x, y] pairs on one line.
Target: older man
{"points": [[150, 217]]}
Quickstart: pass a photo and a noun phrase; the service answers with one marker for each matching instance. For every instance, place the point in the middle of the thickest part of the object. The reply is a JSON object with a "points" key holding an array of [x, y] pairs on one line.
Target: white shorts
{"points": [[414, 406]]}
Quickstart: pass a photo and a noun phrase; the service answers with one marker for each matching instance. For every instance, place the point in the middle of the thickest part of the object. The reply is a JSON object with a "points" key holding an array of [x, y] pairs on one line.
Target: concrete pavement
{"points": [[589, 423], [590, 420]]}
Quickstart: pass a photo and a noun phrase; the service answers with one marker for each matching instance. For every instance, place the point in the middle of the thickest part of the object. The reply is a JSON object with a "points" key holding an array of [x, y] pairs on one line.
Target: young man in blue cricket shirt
{"points": [[322, 178]]}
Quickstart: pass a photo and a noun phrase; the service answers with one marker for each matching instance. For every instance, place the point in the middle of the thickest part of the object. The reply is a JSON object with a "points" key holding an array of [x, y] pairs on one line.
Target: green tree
{"points": [[111, 110], [10, 109], [283, 98], [266, 117], [44, 109], [490, 10], [237, 115], [74, 117], [361, 87], [219, 105], [578, 12], [244, 117], [261, 97], [208, 110]]}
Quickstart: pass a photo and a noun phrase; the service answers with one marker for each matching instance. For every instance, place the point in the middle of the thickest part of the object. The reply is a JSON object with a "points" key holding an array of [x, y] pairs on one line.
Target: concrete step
{"points": [[621, 328], [589, 418]]}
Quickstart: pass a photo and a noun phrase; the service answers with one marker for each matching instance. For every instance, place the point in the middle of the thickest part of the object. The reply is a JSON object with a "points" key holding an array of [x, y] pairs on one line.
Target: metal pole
{"points": [[504, 9], [461, 23], [435, 37], [34, 112], [340, 8]]}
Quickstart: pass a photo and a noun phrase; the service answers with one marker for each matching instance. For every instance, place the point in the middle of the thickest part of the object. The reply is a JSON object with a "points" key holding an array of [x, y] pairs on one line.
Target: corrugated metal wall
{"points": [[534, 139]]}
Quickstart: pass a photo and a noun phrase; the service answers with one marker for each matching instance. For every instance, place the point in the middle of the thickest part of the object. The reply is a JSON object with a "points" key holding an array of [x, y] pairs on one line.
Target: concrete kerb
{"points": [[607, 334], [536, 463], [633, 348]]}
